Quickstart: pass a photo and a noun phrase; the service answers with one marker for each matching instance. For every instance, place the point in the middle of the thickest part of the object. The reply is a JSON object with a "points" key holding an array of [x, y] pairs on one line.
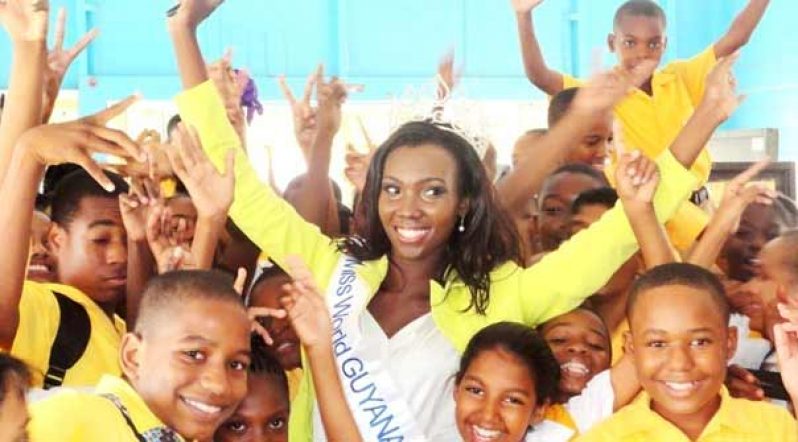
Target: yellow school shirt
{"points": [[530, 296], [737, 420], [652, 122], [89, 417], [39, 316]]}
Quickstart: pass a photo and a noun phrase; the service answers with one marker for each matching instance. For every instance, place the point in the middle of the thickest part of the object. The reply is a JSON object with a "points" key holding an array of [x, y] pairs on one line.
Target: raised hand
{"points": [[303, 112], [144, 193], [739, 193], [157, 164], [330, 96], [306, 308], [606, 89], [193, 12], [76, 141], [357, 163], [164, 241], [25, 20], [524, 6], [58, 62], [221, 72], [720, 95], [637, 178], [211, 191], [448, 76]]}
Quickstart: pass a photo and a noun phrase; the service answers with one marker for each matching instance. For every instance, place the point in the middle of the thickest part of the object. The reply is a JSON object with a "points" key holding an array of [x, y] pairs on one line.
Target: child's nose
{"points": [[214, 380]]}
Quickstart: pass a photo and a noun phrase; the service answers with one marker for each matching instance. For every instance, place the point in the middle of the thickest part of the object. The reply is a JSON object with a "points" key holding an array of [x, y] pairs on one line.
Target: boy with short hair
{"points": [[654, 113], [594, 148], [14, 381], [185, 369], [681, 342]]}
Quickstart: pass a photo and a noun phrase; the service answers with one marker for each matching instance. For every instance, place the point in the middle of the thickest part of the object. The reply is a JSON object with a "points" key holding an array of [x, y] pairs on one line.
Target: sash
{"points": [[379, 410]]}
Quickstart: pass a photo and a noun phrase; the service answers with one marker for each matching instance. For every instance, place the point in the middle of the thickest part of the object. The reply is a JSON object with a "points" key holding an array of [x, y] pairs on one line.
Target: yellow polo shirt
{"points": [[652, 122], [73, 416], [736, 420], [39, 316]]}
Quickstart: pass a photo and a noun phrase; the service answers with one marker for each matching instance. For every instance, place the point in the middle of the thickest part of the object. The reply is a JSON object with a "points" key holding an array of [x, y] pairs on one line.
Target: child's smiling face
{"points": [[681, 345], [262, 416], [637, 38], [739, 258], [191, 368], [496, 399], [581, 344]]}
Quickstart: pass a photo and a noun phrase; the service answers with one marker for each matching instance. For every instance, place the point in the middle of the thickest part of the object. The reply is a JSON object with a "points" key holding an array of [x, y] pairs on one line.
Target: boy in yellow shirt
{"points": [[185, 370], [681, 342], [654, 113]]}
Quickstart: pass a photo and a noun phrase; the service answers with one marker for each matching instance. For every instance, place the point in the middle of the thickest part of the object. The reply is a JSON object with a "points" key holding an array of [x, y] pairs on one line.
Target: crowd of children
{"points": [[584, 295]]}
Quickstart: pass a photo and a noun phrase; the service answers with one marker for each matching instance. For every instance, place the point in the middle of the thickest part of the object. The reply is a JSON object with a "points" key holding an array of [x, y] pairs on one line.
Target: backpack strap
{"points": [[71, 340]]}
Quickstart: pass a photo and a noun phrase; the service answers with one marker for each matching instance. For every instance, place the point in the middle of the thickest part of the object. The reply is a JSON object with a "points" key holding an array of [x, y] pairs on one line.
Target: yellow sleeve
{"points": [[569, 82], [38, 322], [582, 265], [685, 227], [70, 416], [693, 72], [271, 223]]}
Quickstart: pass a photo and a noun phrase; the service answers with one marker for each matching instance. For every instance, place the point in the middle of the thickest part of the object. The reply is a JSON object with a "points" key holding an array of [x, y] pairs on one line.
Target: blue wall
{"points": [[389, 45]]}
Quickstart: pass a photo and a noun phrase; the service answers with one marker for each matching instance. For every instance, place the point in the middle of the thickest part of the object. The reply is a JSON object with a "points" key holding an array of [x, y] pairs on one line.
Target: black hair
{"points": [[267, 273], [640, 8], [537, 131], [173, 289], [489, 239], [172, 124], [74, 187], [265, 364], [560, 103], [42, 203], [603, 196], [527, 345], [13, 374], [579, 169], [683, 274]]}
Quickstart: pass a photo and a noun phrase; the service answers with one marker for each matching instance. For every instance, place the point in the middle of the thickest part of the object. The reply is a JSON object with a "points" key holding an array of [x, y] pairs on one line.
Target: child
{"points": [[185, 369], [41, 265], [653, 114], [263, 414], [507, 378], [681, 342], [594, 147], [88, 242], [14, 382]]}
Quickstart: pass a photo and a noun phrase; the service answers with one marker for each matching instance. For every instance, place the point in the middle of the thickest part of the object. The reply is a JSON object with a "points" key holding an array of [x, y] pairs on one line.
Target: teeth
{"points": [[576, 368], [203, 407], [284, 346], [411, 234], [681, 386], [485, 433], [38, 268]]}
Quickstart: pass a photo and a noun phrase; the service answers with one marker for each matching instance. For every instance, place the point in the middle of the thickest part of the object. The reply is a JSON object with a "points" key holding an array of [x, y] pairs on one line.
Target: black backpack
{"points": [[71, 340]]}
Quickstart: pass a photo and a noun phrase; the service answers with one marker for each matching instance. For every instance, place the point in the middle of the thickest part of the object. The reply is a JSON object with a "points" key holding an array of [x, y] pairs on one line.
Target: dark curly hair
{"points": [[524, 343], [489, 238]]}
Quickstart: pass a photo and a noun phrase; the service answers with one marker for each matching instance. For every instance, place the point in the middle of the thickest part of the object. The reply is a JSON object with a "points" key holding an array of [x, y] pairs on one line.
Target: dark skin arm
{"points": [[741, 29], [545, 79]]}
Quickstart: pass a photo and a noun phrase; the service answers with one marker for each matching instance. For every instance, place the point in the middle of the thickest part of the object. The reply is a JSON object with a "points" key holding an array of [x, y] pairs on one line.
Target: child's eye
{"points": [[701, 342], [236, 427], [195, 355], [277, 424], [655, 45], [434, 192], [101, 241], [656, 344], [628, 43], [597, 347], [390, 189], [239, 365], [476, 391], [553, 211], [556, 341], [514, 400]]}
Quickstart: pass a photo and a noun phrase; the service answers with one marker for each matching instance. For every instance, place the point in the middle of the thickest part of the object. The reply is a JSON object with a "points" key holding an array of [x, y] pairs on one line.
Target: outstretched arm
{"points": [[545, 79], [742, 28], [183, 29]]}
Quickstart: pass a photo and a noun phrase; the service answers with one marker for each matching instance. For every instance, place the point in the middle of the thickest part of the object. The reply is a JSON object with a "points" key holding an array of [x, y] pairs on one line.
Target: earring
{"points": [[461, 227]]}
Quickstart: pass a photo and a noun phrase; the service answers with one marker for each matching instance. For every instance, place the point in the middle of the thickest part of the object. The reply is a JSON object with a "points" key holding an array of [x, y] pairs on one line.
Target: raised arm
{"points": [[742, 28], [594, 100], [636, 196], [183, 29], [736, 197], [545, 79], [73, 142], [26, 24]]}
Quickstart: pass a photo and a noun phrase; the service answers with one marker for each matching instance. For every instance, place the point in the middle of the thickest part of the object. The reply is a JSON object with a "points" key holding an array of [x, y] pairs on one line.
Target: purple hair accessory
{"points": [[249, 97]]}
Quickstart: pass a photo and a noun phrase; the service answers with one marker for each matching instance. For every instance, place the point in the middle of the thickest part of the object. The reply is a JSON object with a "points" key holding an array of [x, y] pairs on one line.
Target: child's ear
{"points": [[664, 43], [129, 355], [538, 413], [611, 42], [628, 345], [55, 238], [731, 342]]}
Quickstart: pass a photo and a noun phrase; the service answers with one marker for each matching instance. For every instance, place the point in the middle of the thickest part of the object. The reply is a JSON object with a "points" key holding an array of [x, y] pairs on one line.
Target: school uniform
{"points": [[114, 412], [652, 122], [39, 319], [736, 420], [382, 404]]}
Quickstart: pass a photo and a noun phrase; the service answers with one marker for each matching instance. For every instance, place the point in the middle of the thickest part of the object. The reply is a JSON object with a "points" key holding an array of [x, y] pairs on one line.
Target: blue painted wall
{"points": [[389, 45]]}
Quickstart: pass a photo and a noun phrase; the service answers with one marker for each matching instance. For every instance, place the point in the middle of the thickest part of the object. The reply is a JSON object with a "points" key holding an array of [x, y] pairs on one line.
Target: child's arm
{"points": [[625, 384], [741, 29], [594, 100], [736, 197], [210, 191], [637, 196], [38, 147], [311, 319], [26, 23], [539, 74], [183, 29], [303, 112]]}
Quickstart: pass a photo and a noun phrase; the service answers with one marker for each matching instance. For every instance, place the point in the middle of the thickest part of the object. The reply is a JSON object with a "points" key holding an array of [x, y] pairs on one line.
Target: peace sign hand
{"points": [[304, 113]]}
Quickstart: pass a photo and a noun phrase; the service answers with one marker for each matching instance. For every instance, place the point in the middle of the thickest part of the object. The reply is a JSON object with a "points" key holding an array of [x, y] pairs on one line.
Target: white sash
{"points": [[379, 410]]}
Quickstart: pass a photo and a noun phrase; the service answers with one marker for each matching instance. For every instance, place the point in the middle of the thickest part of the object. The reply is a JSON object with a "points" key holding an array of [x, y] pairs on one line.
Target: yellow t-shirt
{"points": [[736, 420], [294, 379], [72, 416], [652, 122], [39, 317]]}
